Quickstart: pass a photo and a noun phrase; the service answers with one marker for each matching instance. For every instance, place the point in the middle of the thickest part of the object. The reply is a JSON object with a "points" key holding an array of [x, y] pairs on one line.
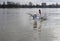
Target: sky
{"points": [[33, 1]]}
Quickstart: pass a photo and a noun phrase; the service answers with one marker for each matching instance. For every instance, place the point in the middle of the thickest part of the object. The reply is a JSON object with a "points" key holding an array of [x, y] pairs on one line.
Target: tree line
{"points": [[30, 5]]}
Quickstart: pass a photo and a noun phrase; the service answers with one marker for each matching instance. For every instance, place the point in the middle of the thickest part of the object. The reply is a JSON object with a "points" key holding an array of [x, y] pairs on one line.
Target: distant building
{"points": [[3, 3], [30, 4], [56, 4], [9, 3], [43, 4]]}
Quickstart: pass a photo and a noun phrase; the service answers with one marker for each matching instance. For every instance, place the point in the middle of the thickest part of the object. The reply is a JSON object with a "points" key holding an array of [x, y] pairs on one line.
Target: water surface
{"points": [[17, 25]]}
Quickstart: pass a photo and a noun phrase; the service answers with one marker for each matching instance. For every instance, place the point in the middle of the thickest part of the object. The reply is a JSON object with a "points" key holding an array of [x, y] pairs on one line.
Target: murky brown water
{"points": [[17, 25]]}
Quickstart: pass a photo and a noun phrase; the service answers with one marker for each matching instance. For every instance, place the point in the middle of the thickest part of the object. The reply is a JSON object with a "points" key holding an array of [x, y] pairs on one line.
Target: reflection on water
{"points": [[16, 25]]}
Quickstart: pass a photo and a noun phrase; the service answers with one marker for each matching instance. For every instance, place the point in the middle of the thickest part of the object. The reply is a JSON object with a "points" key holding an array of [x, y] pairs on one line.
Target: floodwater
{"points": [[17, 25]]}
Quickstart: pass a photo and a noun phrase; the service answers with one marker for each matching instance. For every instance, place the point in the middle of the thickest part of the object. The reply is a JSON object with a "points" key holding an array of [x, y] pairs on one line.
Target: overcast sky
{"points": [[33, 1]]}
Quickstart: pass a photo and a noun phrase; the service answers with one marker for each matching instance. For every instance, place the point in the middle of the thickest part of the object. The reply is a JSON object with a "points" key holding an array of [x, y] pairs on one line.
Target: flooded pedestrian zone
{"points": [[16, 25]]}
